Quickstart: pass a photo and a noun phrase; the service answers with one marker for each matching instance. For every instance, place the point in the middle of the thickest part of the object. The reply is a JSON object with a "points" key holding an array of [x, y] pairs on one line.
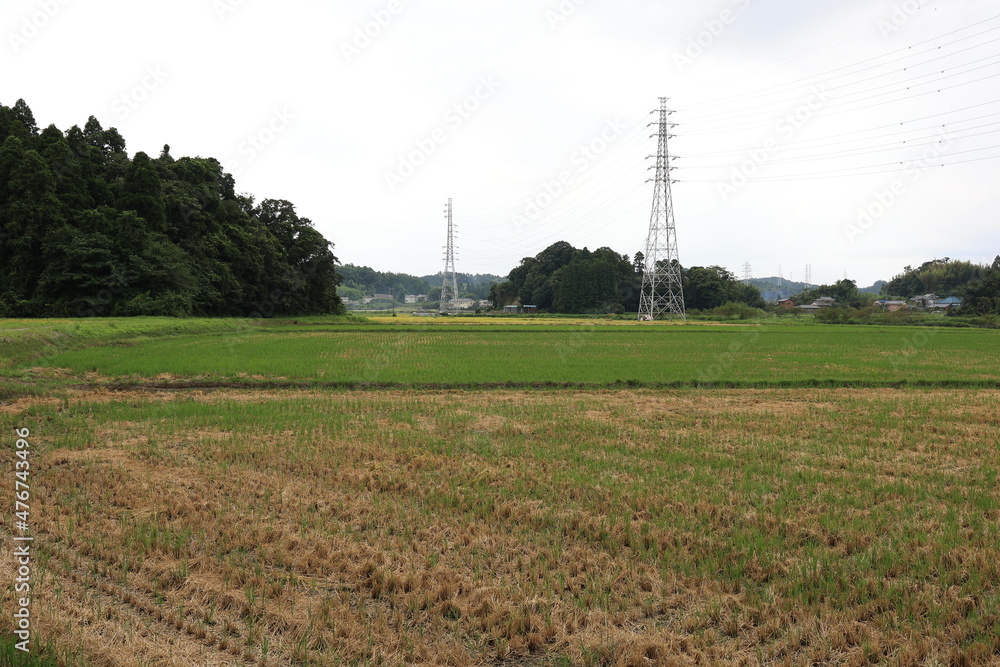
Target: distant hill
{"points": [[477, 284], [874, 289], [363, 281], [775, 288]]}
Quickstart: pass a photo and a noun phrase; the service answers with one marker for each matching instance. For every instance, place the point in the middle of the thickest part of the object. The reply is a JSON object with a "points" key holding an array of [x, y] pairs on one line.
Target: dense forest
{"points": [[564, 279], [85, 230]]}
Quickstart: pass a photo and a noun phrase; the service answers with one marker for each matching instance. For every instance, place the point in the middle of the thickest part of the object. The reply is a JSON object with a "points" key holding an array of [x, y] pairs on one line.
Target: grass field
{"points": [[471, 354], [212, 525]]}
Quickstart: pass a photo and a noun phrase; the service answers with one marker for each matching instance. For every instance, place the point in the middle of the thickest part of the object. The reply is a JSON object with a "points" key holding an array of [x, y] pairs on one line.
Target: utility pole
{"points": [[449, 286], [662, 286]]}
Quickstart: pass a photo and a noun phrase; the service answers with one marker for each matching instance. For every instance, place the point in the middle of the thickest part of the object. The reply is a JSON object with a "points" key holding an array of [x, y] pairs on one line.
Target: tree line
{"points": [[564, 279], [977, 284], [363, 281], [86, 230]]}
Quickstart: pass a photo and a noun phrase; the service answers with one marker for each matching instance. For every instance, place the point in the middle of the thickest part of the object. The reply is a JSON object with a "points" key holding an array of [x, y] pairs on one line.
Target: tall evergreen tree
{"points": [[84, 230]]}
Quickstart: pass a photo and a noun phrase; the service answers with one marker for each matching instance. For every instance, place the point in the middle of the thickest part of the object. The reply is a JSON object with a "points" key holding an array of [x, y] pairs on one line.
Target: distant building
{"points": [[947, 303], [890, 306], [530, 309], [925, 300], [382, 297], [817, 305], [786, 303], [415, 298], [462, 303], [512, 309]]}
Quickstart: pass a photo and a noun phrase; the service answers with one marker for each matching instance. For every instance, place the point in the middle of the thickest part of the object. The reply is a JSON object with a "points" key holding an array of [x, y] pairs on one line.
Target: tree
{"points": [[982, 297], [565, 279], [941, 276], [714, 286], [843, 291], [85, 230]]}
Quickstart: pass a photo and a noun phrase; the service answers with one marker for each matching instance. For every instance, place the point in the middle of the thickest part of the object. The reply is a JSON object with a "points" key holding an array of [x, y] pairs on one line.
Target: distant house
{"points": [[947, 303], [462, 303], [382, 297], [925, 300], [786, 303], [891, 306], [415, 298], [512, 309], [817, 305], [485, 303], [530, 309]]}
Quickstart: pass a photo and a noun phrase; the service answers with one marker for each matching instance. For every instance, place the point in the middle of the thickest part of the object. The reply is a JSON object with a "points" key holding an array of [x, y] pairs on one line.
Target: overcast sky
{"points": [[807, 132]]}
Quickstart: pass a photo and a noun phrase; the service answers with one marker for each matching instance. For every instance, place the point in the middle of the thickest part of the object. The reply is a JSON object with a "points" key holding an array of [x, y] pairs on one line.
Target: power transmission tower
{"points": [[449, 286], [747, 273], [809, 273], [662, 286]]}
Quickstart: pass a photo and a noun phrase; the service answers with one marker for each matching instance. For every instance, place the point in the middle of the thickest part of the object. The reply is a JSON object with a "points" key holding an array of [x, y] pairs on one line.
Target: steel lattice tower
{"points": [[449, 286], [662, 286]]}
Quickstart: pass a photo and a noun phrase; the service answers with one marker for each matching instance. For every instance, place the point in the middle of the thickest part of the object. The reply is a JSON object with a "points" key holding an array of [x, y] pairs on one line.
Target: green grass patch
{"points": [[483, 355]]}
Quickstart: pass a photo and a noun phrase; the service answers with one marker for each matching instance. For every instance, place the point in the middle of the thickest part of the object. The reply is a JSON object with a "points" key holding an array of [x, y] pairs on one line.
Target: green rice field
{"points": [[755, 355]]}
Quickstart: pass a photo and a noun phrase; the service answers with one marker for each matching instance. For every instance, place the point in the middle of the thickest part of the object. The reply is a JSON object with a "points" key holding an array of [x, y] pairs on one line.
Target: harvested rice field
{"points": [[311, 526]]}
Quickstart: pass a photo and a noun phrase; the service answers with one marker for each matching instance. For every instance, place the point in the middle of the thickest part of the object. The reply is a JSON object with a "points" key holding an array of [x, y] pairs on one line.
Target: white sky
{"points": [[539, 80]]}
